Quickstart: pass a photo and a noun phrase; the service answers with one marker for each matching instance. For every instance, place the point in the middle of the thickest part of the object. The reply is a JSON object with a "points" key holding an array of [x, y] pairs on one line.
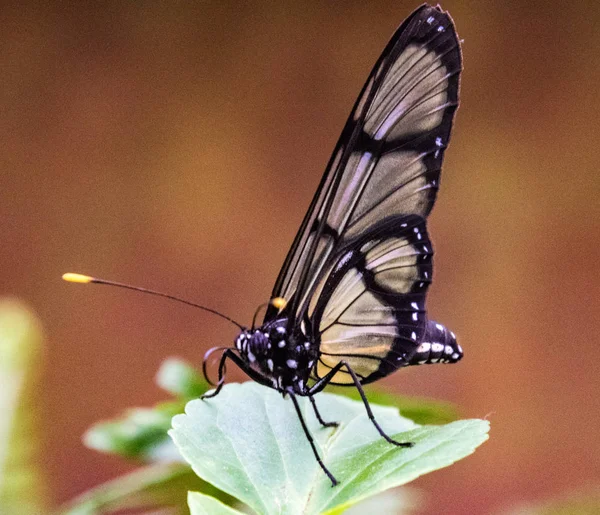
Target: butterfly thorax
{"points": [[285, 359]]}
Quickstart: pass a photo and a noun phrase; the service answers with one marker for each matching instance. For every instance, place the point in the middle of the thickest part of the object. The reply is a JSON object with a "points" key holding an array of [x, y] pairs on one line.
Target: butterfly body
{"points": [[283, 359]]}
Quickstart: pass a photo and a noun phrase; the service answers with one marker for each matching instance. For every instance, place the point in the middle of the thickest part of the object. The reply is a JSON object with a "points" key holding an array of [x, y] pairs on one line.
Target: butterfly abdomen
{"points": [[438, 346]]}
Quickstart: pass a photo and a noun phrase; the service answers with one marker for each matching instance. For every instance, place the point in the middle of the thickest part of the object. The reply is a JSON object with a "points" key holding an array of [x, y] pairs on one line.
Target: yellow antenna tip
{"points": [[77, 278], [279, 303]]}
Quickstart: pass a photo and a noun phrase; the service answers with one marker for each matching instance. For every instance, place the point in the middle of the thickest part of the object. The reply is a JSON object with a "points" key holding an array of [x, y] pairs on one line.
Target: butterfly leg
{"points": [[309, 437], [320, 419], [324, 381], [232, 356], [221, 380]]}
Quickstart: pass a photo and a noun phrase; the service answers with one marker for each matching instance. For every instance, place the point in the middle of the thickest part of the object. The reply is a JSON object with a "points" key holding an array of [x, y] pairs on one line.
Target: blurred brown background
{"points": [[177, 146]]}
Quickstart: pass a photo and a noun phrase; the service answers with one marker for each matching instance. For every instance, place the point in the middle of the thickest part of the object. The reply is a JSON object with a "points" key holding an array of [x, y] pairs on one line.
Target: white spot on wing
{"points": [[292, 363]]}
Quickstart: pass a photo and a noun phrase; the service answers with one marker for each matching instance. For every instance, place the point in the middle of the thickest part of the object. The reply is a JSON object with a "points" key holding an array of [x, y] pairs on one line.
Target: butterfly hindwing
{"points": [[387, 162], [370, 311]]}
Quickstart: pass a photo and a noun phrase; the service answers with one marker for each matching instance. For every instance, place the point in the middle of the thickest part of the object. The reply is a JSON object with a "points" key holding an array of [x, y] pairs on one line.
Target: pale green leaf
{"points": [[201, 504], [249, 443], [22, 488]]}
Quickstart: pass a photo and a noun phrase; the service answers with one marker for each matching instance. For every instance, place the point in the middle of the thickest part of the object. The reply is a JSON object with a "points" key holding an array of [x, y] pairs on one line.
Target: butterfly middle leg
{"points": [[325, 380], [318, 415], [309, 437]]}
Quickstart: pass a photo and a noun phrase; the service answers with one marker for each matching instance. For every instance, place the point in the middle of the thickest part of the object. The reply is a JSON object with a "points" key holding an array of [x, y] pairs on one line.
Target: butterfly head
{"points": [[285, 359]]}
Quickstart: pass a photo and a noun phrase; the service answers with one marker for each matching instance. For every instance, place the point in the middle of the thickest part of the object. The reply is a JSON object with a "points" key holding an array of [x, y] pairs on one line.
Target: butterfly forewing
{"points": [[386, 163]]}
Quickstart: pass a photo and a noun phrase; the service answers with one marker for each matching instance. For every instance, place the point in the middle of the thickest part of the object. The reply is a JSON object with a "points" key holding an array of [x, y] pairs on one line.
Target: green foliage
{"points": [[160, 485], [248, 442], [418, 409], [261, 431], [201, 504], [141, 433], [22, 488]]}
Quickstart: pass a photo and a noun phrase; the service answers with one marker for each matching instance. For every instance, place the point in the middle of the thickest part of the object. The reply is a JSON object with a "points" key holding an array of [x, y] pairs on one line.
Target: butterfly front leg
{"points": [[232, 356], [325, 380]]}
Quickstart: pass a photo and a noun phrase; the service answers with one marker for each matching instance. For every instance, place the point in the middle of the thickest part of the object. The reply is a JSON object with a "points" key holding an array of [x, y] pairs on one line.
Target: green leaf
{"points": [[179, 378], [418, 409], [141, 433], [249, 443], [201, 504], [162, 485], [22, 488], [399, 501]]}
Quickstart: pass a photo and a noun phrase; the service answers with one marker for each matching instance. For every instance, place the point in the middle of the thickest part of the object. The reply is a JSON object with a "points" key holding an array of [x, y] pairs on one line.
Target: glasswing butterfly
{"points": [[348, 306]]}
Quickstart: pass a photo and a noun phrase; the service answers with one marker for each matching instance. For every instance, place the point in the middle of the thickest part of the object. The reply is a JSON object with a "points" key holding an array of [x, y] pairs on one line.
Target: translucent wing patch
{"points": [[388, 159], [371, 309]]}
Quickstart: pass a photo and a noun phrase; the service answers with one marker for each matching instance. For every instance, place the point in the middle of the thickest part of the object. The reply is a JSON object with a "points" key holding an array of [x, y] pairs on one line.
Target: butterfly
{"points": [[348, 306]]}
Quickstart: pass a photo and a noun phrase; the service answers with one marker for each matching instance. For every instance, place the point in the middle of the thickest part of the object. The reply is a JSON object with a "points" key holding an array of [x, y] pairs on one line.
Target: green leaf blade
{"points": [[201, 504], [249, 443], [381, 467]]}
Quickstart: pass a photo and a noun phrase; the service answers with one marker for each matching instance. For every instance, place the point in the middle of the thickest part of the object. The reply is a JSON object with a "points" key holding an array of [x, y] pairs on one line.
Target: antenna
{"points": [[85, 279]]}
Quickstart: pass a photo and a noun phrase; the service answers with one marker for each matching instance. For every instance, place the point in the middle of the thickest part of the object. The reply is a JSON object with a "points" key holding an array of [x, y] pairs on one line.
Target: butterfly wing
{"points": [[387, 161], [371, 310]]}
